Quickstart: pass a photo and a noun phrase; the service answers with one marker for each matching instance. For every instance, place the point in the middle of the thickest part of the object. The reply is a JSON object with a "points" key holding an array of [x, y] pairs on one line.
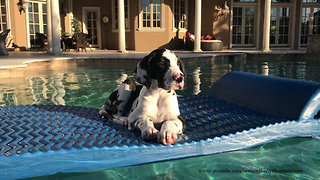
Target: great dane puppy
{"points": [[148, 102]]}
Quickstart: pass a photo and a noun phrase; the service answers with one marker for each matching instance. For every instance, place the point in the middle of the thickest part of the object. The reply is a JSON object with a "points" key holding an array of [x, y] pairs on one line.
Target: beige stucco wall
{"points": [[145, 41], [18, 25], [218, 26], [142, 40], [149, 40], [109, 37]]}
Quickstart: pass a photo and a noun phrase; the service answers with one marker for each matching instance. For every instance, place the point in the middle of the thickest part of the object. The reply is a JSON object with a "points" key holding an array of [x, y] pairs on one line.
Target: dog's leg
{"points": [[148, 131], [169, 131], [120, 120]]}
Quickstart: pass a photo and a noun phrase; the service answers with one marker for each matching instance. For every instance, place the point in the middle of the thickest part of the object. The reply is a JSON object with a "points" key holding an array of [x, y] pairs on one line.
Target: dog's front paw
{"points": [[149, 134], [167, 137]]}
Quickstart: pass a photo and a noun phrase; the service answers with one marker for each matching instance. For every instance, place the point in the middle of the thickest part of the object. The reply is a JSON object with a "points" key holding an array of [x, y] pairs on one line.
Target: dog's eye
{"points": [[161, 64]]}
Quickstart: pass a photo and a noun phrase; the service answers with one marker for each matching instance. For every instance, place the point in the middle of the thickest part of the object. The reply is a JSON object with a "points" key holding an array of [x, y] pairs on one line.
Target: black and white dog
{"points": [[151, 107]]}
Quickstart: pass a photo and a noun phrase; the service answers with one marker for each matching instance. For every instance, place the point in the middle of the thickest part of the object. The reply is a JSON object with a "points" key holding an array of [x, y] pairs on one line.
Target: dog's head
{"points": [[163, 66]]}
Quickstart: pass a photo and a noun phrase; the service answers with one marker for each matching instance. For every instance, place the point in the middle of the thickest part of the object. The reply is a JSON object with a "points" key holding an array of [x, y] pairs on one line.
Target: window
{"points": [[91, 25], [310, 1], [280, 1], [37, 19], [237, 25], [310, 20], [245, 1], [279, 25], [3, 16], [115, 14], [91, 22], [244, 23], [180, 14], [150, 14], [281, 29]]}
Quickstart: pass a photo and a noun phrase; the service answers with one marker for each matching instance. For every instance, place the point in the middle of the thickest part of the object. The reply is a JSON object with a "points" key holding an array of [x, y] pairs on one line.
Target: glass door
{"points": [[279, 26], [244, 23], [92, 25], [310, 23], [3, 16], [37, 20]]}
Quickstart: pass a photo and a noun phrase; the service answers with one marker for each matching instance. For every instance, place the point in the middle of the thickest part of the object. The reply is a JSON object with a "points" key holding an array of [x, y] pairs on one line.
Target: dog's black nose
{"points": [[180, 79]]}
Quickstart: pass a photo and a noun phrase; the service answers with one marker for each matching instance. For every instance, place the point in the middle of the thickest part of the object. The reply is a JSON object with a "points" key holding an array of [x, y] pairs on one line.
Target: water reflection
{"points": [[197, 81], [90, 85], [265, 68]]}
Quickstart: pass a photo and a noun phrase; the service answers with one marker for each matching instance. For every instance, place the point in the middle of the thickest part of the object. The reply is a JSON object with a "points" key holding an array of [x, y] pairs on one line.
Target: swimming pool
{"points": [[89, 82]]}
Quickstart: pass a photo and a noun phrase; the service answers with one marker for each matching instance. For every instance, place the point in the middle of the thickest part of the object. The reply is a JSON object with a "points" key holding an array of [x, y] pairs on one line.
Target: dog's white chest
{"points": [[160, 105]]}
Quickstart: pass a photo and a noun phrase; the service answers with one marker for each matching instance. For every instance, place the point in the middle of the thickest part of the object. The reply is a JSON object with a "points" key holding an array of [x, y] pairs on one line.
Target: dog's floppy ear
{"points": [[143, 72]]}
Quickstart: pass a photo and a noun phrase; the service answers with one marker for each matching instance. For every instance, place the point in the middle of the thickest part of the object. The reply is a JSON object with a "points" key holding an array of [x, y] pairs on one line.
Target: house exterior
{"points": [[150, 24]]}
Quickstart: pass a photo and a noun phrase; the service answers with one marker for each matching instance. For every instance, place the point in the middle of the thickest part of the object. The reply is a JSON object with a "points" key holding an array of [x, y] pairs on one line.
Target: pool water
{"points": [[89, 82]]}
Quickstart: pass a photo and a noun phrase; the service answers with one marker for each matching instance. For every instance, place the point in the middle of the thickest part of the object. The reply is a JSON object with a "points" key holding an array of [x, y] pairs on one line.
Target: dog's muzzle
{"points": [[179, 78]]}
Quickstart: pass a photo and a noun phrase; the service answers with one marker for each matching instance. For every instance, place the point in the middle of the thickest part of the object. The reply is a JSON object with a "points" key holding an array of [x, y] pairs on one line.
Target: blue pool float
{"points": [[241, 110]]}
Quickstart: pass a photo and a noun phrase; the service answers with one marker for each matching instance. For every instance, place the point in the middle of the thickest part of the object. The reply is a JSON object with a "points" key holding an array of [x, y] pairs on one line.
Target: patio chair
{"points": [[67, 44], [81, 41], [43, 40], [3, 36]]}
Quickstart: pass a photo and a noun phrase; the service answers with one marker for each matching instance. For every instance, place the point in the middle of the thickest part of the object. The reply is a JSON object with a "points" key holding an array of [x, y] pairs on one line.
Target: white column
{"points": [[121, 27], [56, 30], [49, 28], [266, 26], [70, 11], [197, 27]]}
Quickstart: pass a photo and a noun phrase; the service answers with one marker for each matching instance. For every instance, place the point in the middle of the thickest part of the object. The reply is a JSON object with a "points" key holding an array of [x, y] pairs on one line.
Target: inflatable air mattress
{"points": [[241, 110]]}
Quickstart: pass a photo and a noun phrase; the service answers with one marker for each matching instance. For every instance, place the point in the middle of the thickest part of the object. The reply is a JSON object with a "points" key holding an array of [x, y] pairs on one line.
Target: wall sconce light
{"points": [[222, 11], [105, 19], [22, 5]]}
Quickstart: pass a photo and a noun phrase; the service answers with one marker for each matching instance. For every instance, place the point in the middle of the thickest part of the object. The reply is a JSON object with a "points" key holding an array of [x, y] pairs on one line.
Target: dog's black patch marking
{"points": [[113, 96], [145, 65], [115, 106], [138, 79], [131, 83], [145, 76], [135, 91], [133, 96], [111, 103], [159, 66], [155, 66]]}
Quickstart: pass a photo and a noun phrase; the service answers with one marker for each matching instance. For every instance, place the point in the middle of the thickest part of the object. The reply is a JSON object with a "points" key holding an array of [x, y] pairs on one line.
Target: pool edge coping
{"points": [[15, 60]]}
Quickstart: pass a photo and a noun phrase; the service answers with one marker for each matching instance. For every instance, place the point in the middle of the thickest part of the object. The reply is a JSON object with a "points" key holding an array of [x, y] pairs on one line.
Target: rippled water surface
{"points": [[89, 82]]}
